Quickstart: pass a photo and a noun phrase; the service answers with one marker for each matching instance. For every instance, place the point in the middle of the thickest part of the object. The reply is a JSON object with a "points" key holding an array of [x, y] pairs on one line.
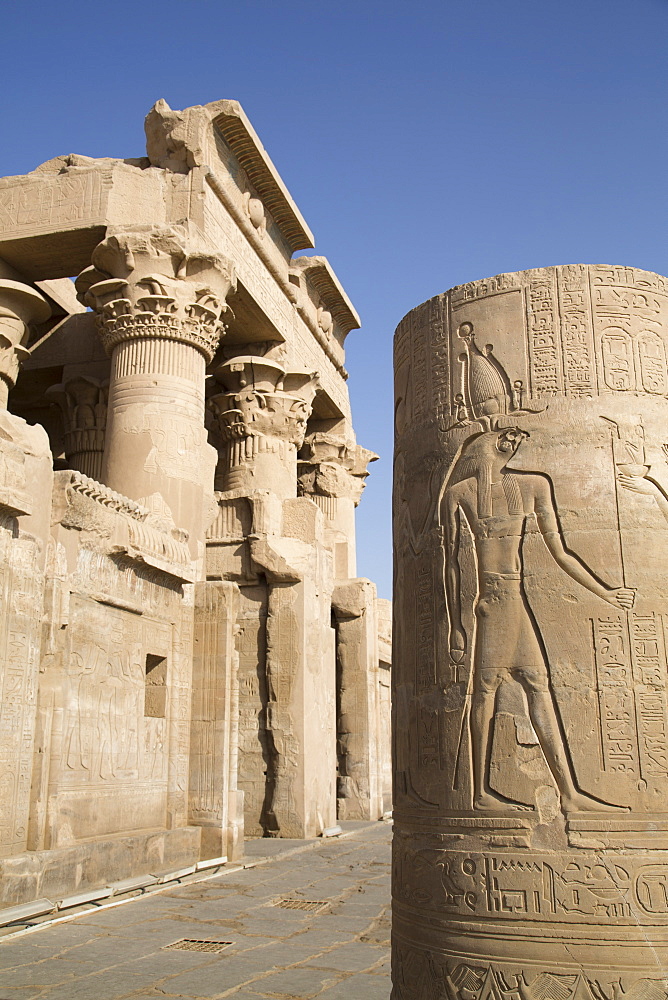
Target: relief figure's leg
{"points": [[495, 640], [482, 718], [544, 717]]}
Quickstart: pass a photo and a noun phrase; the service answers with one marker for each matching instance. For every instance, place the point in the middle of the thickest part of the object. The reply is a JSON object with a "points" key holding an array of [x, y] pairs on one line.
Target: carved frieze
{"points": [[119, 525]]}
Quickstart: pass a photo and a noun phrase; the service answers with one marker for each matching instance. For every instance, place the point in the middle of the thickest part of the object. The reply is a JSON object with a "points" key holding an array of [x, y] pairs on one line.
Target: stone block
{"points": [[23, 912], [79, 898]]}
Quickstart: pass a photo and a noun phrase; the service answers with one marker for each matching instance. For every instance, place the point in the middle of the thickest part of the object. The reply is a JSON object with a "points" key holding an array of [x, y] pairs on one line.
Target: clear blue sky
{"points": [[427, 143]]}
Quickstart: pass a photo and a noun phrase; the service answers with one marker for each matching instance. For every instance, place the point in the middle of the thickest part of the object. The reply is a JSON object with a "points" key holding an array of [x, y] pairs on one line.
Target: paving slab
{"points": [[119, 952]]}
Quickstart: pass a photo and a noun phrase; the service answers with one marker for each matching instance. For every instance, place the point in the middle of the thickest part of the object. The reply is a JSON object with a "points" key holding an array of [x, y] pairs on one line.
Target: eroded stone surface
{"points": [[531, 732]]}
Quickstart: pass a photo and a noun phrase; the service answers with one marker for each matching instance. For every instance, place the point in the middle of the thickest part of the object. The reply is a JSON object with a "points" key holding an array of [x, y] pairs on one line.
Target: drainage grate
{"points": [[312, 905], [193, 944]]}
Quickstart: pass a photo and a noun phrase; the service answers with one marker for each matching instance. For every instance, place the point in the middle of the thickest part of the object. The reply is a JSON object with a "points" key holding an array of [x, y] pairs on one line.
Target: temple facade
{"points": [[187, 655]]}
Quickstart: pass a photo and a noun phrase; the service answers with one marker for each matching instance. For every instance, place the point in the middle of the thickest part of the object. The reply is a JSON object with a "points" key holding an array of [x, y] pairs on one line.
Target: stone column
{"points": [[530, 671], [25, 494], [260, 421], [300, 795], [214, 731], [332, 471], [159, 297], [83, 403], [359, 785], [20, 305]]}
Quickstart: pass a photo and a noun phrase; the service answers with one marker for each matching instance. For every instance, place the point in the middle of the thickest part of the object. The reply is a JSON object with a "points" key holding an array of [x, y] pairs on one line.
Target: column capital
{"points": [[20, 305], [262, 399], [158, 284], [82, 400], [331, 465], [263, 409]]}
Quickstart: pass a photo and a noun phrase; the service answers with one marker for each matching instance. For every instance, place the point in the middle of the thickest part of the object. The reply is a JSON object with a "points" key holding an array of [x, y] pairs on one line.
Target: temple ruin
{"points": [[187, 655]]}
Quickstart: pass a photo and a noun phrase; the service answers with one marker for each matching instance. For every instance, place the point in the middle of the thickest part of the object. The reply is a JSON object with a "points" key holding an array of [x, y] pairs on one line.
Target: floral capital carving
{"points": [[332, 466], [262, 401], [158, 284], [83, 404], [20, 305]]}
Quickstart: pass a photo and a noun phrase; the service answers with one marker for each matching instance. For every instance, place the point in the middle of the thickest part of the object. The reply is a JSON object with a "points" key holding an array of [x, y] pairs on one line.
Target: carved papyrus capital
{"points": [[332, 466], [262, 410], [157, 284], [20, 305], [262, 401], [83, 404]]}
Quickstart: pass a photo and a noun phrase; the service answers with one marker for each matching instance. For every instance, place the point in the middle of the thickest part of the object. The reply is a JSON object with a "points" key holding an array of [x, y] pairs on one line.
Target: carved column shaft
{"points": [[159, 298], [530, 673]]}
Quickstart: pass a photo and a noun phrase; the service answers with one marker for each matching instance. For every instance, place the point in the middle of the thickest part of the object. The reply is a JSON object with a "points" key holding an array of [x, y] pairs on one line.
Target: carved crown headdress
{"points": [[487, 392]]}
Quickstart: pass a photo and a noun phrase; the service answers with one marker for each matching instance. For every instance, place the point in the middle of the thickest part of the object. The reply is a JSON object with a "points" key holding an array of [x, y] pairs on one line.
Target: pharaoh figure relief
{"points": [[531, 611]]}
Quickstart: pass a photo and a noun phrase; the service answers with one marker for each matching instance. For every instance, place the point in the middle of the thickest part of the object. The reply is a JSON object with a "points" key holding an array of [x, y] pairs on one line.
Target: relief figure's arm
{"points": [[548, 523], [646, 487], [451, 532]]}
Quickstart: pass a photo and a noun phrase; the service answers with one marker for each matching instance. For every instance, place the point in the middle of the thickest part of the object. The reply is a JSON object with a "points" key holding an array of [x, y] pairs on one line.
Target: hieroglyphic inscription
{"points": [[619, 740], [424, 617], [20, 612], [652, 359], [628, 305], [54, 202], [420, 364], [440, 366], [649, 668], [480, 289], [617, 355], [631, 674], [576, 335], [545, 367]]}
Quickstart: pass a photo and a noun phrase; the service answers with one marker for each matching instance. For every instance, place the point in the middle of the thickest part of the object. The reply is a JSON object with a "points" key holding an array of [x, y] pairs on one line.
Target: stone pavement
{"points": [[339, 951]]}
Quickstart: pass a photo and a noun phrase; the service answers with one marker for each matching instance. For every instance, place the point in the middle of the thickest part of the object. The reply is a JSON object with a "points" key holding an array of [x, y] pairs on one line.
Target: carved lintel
{"points": [[158, 284]]}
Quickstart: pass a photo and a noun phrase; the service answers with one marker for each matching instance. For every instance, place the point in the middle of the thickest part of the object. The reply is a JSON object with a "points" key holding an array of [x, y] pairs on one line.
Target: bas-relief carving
{"points": [[520, 694], [107, 736], [253, 738], [20, 596], [280, 813], [496, 505], [52, 202], [453, 979]]}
